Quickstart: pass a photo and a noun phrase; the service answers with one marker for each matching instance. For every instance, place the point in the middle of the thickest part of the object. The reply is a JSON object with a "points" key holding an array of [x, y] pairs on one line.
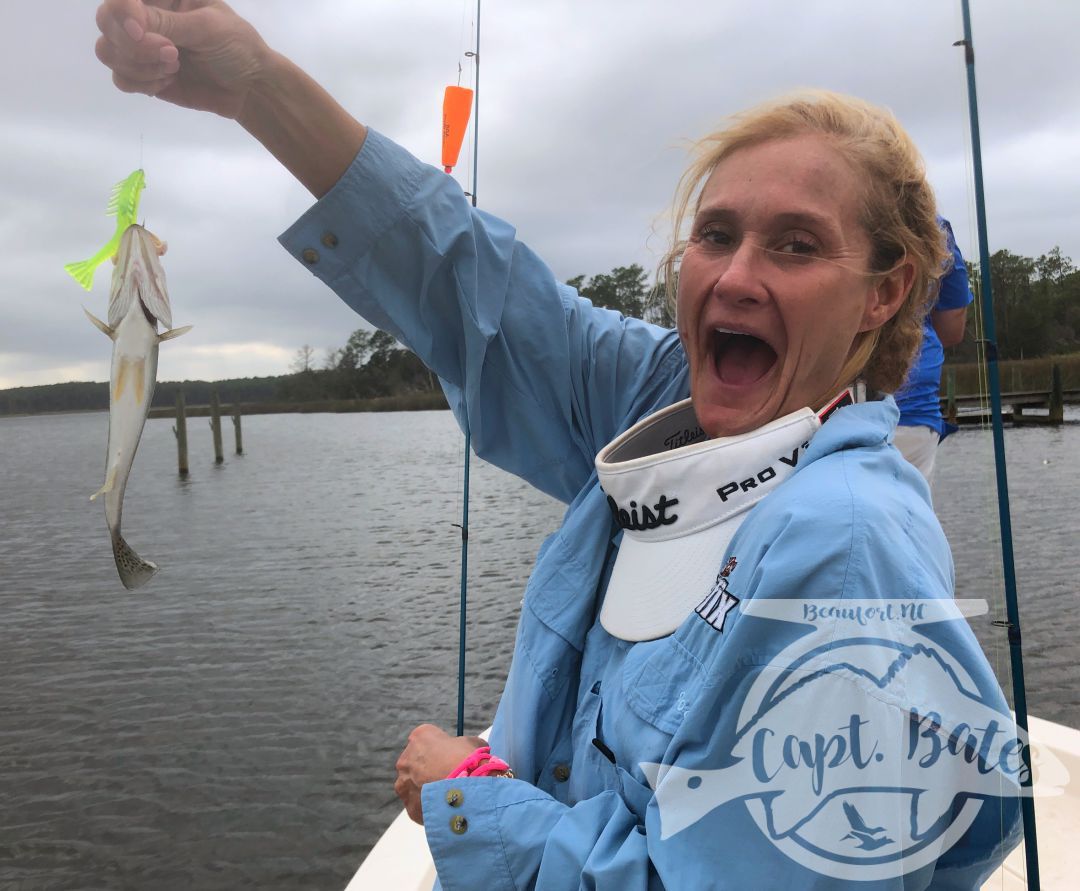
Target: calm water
{"points": [[236, 722]]}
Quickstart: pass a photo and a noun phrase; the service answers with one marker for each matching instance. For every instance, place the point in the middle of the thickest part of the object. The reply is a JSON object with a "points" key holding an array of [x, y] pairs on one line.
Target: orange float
{"points": [[457, 106]]}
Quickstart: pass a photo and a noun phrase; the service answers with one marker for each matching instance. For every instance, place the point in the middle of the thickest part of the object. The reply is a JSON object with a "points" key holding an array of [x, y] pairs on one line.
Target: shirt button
{"points": [[454, 797], [561, 772], [458, 825], [310, 256], [329, 239]]}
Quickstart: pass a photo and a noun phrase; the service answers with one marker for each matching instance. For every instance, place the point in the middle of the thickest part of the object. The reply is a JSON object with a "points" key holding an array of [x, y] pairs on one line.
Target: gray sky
{"points": [[585, 112]]}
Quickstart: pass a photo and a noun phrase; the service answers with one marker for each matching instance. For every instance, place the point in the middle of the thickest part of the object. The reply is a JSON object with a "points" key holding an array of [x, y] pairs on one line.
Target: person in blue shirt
{"points": [[738, 661], [921, 425]]}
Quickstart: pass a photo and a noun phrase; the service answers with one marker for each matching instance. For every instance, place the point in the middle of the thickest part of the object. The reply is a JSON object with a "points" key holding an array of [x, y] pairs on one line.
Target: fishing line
{"points": [[461, 36]]}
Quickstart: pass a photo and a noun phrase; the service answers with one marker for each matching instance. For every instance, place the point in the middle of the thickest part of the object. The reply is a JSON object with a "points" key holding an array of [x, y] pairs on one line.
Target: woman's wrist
{"points": [[300, 123]]}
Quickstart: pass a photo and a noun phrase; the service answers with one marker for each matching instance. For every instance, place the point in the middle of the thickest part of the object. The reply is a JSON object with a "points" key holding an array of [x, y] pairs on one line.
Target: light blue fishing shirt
{"points": [[545, 380]]}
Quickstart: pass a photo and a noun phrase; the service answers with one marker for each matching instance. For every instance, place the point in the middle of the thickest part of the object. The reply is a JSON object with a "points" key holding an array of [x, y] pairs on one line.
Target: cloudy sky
{"points": [[586, 111]]}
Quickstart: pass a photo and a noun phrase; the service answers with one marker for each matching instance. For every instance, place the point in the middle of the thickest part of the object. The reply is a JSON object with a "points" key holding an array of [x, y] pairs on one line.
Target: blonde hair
{"points": [[898, 212]]}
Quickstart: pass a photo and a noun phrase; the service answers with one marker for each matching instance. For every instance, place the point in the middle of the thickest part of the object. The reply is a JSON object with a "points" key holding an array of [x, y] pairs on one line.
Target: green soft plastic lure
{"points": [[124, 205]]}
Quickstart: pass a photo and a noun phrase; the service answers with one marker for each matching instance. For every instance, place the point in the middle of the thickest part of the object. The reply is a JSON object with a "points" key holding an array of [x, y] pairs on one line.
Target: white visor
{"points": [[679, 498]]}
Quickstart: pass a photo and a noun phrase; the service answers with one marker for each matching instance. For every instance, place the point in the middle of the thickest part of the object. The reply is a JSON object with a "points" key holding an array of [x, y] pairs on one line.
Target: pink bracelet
{"points": [[480, 763]]}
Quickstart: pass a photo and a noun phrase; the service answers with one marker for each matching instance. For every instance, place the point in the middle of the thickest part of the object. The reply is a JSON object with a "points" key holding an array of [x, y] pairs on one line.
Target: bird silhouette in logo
{"points": [[865, 835]]}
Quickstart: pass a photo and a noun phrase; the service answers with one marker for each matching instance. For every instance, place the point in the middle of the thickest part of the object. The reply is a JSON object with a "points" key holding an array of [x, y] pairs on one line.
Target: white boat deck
{"points": [[401, 862], [1057, 816]]}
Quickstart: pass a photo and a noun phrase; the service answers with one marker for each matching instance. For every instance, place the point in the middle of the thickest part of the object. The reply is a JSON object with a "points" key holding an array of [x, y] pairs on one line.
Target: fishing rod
{"points": [[457, 105], [1012, 623], [468, 431]]}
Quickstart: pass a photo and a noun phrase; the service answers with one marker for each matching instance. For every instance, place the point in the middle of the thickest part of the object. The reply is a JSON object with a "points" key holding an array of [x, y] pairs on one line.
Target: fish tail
{"points": [[134, 570]]}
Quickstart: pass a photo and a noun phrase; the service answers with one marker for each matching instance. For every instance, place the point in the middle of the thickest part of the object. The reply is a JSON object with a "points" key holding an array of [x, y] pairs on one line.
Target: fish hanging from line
{"points": [[124, 205], [137, 302]]}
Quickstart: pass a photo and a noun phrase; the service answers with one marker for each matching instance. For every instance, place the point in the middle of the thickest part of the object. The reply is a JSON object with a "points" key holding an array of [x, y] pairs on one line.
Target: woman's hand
{"points": [[200, 54], [194, 53], [429, 755]]}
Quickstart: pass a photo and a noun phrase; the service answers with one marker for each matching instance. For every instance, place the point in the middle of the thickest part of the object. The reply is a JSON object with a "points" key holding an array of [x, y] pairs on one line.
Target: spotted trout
{"points": [[137, 302]]}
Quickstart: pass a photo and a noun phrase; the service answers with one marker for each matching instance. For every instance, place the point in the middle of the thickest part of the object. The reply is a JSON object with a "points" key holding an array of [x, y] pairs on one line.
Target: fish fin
{"points": [[100, 324], [108, 487], [126, 277], [173, 332], [153, 294], [133, 569]]}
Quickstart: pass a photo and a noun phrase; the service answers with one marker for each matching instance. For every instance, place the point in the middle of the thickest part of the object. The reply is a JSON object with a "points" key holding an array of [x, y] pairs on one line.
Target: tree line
{"points": [[89, 396], [370, 365], [1036, 307]]}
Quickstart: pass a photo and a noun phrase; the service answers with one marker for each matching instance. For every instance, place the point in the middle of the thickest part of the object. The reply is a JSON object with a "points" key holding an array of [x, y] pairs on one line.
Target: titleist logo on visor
{"points": [[684, 437], [648, 518]]}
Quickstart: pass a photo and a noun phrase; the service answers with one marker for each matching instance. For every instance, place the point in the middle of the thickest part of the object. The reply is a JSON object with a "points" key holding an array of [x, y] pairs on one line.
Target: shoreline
{"points": [[432, 401]]}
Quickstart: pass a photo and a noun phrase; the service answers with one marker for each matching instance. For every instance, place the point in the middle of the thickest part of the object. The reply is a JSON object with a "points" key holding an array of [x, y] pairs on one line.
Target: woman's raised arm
{"points": [[540, 378], [200, 54]]}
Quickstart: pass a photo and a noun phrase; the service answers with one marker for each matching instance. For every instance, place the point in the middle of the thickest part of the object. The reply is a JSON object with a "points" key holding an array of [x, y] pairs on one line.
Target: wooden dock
{"points": [[1020, 408]]}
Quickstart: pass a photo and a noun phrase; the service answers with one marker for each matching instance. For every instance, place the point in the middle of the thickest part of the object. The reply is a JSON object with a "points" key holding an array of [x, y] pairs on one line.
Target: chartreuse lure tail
{"points": [[124, 205]]}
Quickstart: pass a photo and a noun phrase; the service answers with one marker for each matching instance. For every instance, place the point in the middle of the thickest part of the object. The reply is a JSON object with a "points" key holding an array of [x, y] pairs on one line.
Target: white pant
{"points": [[919, 446]]}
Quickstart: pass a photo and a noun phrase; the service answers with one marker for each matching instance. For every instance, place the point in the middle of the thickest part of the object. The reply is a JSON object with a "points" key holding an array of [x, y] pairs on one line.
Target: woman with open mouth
{"points": [[738, 663]]}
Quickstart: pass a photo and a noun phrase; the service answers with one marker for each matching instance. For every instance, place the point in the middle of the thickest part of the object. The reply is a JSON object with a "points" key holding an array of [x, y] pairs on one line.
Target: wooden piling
{"points": [[236, 427], [180, 432], [1057, 396], [215, 425], [950, 395]]}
